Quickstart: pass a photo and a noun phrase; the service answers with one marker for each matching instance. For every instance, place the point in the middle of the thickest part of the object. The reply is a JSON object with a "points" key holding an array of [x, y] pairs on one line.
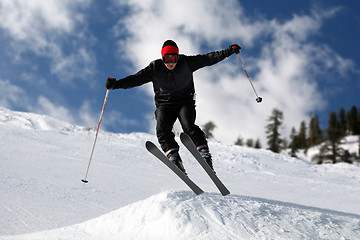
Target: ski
{"points": [[189, 144], [152, 148]]}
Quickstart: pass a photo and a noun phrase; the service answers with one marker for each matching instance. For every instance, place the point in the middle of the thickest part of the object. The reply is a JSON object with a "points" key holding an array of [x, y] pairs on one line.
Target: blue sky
{"points": [[303, 58]]}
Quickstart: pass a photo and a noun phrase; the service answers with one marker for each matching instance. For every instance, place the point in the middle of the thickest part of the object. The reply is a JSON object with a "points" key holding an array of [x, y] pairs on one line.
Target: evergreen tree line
{"points": [[209, 127], [341, 124]]}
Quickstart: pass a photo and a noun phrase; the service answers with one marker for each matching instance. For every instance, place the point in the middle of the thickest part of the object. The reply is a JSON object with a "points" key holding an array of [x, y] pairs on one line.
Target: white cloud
{"points": [[41, 27], [89, 117], [119, 120], [84, 116], [45, 106], [80, 65], [11, 94], [54, 34], [191, 23], [34, 20], [284, 73]]}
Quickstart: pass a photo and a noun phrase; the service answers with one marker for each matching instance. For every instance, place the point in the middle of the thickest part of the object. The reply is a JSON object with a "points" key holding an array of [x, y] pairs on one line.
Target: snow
{"points": [[349, 143], [132, 195]]}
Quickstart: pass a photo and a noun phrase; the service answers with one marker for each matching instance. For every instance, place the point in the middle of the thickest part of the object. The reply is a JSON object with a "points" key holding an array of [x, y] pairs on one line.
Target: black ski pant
{"points": [[165, 119]]}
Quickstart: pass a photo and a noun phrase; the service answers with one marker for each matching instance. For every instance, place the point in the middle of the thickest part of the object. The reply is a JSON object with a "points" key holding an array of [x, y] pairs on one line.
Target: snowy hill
{"points": [[131, 195], [181, 215]]}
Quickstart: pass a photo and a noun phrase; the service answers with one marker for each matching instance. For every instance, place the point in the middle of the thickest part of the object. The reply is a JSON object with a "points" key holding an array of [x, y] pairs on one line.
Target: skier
{"points": [[172, 78]]}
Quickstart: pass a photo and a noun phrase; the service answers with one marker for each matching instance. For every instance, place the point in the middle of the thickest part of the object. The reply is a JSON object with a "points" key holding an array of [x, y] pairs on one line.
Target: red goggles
{"points": [[170, 58]]}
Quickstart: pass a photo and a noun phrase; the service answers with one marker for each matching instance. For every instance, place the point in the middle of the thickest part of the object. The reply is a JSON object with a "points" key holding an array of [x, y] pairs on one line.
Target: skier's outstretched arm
{"points": [[137, 79], [211, 58]]}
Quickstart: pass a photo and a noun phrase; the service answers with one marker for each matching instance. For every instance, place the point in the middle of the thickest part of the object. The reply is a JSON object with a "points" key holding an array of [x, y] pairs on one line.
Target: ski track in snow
{"points": [[182, 215], [131, 195]]}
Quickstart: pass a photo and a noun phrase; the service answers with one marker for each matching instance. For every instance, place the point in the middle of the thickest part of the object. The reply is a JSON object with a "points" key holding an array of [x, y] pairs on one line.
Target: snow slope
{"points": [[131, 195], [181, 215]]}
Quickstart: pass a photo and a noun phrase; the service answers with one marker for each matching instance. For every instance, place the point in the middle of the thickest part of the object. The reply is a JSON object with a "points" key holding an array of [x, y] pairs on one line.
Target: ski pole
{"points": [[258, 99], [97, 130]]}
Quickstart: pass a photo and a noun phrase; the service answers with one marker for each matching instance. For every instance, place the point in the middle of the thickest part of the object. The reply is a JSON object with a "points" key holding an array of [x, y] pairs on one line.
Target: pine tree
{"points": [[298, 140], [342, 121], [239, 141], [250, 143], [273, 131], [353, 121], [334, 133], [359, 147], [328, 150], [315, 132], [293, 145], [258, 144], [208, 129], [302, 138]]}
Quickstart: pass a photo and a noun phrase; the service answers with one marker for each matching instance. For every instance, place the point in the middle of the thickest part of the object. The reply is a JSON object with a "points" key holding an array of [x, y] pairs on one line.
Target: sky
{"points": [[302, 57]]}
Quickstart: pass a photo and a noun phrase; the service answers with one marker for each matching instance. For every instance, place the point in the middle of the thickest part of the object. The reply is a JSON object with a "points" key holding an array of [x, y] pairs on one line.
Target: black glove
{"points": [[110, 83], [234, 48]]}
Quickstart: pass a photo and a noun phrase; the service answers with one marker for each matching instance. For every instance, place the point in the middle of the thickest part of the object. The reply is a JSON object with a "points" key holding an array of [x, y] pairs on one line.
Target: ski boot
{"points": [[174, 157], [205, 153]]}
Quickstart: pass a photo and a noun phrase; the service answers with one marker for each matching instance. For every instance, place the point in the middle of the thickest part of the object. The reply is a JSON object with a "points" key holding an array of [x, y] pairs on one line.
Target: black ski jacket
{"points": [[173, 87]]}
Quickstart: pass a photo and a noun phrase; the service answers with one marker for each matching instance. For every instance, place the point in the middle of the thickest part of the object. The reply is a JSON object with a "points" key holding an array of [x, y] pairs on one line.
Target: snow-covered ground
{"points": [[132, 195], [349, 143]]}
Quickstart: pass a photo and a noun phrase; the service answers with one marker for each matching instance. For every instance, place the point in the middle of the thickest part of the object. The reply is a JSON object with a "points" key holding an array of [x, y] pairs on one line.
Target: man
{"points": [[172, 78]]}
